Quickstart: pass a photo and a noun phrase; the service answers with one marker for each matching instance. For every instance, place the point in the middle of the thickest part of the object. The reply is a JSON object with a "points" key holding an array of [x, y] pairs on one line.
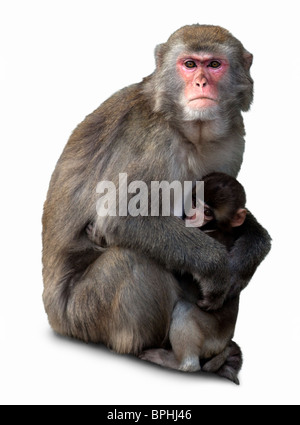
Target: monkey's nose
{"points": [[201, 83]]}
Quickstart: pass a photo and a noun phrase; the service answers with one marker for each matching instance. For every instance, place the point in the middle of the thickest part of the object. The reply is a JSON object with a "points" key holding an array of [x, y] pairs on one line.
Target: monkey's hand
{"points": [[248, 252], [211, 303], [214, 299], [212, 275], [214, 280], [95, 236]]}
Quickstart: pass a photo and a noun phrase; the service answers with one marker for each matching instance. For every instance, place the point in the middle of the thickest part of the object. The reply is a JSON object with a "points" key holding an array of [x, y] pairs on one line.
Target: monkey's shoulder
{"points": [[127, 109]]}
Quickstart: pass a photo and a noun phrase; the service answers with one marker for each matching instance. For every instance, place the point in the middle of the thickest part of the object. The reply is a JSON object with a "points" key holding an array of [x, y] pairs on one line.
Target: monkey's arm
{"points": [[249, 250], [178, 248]]}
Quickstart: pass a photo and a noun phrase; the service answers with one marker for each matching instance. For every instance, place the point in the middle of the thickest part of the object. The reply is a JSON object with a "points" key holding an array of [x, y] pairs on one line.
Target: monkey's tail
{"points": [[226, 364]]}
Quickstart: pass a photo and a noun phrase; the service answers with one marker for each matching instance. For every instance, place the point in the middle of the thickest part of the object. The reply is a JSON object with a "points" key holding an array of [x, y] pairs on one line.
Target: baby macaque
{"points": [[205, 337], [224, 208]]}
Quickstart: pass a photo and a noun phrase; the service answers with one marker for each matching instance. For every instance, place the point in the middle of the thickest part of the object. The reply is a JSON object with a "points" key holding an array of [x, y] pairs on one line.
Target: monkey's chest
{"points": [[199, 161]]}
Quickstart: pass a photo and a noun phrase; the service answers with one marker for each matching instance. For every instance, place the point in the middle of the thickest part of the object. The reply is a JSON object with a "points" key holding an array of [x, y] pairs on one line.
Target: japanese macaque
{"points": [[180, 123], [208, 334]]}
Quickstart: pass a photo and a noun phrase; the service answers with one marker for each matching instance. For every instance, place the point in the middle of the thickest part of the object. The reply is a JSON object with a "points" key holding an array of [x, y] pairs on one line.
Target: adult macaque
{"points": [[180, 123], [197, 335]]}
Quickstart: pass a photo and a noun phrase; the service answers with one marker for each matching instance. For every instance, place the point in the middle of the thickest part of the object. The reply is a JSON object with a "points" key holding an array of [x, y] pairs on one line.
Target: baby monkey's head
{"points": [[225, 201]]}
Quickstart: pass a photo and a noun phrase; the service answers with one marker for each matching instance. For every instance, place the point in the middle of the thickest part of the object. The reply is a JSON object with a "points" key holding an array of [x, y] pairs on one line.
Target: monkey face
{"points": [[203, 214], [201, 74]]}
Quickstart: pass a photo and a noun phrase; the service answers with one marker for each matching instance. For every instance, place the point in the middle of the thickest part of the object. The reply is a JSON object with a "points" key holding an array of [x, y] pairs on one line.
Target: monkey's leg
{"points": [[185, 337], [168, 359], [123, 300], [161, 357]]}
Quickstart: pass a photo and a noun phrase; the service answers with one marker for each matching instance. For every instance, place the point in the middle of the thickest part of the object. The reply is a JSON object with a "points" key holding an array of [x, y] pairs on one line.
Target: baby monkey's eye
{"points": [[208, 212], [214, 64], [190, 64]]}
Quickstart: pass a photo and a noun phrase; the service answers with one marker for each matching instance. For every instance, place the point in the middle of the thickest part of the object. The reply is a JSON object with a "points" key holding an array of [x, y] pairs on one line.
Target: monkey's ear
{"points": [[159, 54], [248, 59], [239, 217]]}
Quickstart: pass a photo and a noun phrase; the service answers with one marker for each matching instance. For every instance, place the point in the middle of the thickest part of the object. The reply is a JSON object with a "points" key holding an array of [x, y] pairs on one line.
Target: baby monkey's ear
{"points": [[239, 217]]}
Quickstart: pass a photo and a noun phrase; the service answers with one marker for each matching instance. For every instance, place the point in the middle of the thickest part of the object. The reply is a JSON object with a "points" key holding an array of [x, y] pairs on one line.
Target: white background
{"points": [[59, 60]]}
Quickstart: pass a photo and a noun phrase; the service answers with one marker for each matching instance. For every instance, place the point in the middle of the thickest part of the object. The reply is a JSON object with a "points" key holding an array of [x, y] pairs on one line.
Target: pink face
{"points": [[201, 74]]}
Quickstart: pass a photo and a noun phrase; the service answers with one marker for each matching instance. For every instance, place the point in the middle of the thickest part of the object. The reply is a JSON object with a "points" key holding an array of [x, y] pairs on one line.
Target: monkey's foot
{"points": [[167, 358], [229, 373], [226, 364]]}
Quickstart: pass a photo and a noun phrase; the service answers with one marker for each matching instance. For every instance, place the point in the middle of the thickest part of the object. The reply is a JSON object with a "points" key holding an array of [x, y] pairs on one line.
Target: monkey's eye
{"points": [[208, 212], [215, 64], [190, 64]]}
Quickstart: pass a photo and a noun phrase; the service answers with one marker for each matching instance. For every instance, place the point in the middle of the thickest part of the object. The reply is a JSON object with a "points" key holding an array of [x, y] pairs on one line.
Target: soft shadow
{"points": [[181, 375], [129, 358]]}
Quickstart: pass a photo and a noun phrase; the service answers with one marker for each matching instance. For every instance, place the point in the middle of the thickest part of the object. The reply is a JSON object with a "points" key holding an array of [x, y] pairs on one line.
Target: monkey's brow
{"points": [[201, 56]]}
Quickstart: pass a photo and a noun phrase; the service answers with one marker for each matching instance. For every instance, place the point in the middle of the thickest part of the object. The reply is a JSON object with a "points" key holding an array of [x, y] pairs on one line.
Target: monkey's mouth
{"points": [[202, 98], [202, 102]]}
